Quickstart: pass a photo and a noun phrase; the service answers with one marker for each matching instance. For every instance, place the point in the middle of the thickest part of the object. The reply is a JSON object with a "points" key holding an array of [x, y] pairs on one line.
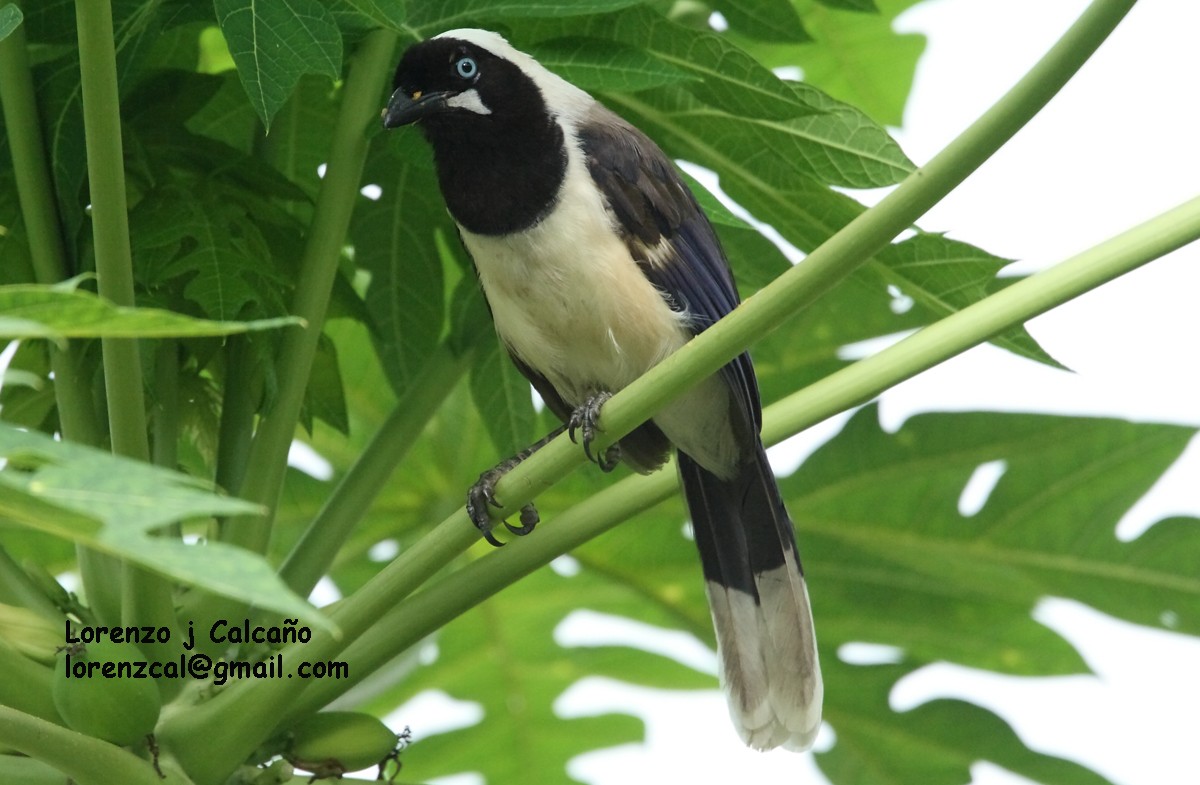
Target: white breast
{"points": [[569, 300]]}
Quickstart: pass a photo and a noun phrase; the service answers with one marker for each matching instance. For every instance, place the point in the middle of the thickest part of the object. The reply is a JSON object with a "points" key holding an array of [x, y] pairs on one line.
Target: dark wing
{"points": [[668, 234]]}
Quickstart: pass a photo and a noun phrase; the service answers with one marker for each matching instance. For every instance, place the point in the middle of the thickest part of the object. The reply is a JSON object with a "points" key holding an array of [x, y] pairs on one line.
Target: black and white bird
{"points": [[597, 262]]}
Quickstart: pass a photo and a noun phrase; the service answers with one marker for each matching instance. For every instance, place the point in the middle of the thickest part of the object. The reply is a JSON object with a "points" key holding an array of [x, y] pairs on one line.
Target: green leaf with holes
{"points": [[899, 564]]}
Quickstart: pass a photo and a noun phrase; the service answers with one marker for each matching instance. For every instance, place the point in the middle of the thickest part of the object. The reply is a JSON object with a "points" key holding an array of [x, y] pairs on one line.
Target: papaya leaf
{"points": [[502, 396], [32, 311], [114, 504], [274, 44], [436, 16]]}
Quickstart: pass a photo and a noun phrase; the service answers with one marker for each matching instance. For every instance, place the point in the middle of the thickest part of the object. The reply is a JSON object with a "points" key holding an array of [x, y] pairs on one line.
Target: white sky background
{"points": [[1119, 145]]}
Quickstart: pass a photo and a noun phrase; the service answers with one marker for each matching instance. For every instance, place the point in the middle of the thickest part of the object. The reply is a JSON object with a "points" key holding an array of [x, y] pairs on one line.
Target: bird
{"points": [[596, 262]]}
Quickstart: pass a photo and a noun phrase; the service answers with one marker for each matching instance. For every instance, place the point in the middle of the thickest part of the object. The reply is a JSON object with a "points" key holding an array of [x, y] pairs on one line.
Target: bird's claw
{"points": [[529, 519], [585, 419], [482, 496]]}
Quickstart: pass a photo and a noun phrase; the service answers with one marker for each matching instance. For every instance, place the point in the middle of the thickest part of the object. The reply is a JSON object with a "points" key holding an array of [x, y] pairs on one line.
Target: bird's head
{"points": [[465, 76], [500, 125]]}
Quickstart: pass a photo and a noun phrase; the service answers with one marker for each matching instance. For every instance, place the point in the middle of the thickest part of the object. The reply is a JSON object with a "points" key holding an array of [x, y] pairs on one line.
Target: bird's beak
{"points": [[403, 109]]}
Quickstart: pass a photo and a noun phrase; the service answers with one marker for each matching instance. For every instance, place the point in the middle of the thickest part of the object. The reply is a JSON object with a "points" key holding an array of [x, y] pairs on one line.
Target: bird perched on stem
{"points": [[597, 262]]}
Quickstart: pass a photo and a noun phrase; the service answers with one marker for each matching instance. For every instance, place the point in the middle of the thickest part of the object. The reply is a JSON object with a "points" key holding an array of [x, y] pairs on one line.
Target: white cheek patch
{"points": [[469, 100]]}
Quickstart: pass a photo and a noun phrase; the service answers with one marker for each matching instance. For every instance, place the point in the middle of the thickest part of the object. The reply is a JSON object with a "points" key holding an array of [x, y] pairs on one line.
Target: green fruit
{"points": [[118, 710], [333, 742]]}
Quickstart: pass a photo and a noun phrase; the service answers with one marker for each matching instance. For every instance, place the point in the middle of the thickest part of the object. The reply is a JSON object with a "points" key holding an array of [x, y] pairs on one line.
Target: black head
{"points": [[447, 80], [483, 105]]}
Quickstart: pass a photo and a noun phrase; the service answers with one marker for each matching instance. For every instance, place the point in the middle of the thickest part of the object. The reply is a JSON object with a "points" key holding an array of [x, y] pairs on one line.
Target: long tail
{"points": [[759, 603]]}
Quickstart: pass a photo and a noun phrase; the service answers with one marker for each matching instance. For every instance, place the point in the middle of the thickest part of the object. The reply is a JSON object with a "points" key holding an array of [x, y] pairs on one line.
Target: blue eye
{"points": [[466, 67]]}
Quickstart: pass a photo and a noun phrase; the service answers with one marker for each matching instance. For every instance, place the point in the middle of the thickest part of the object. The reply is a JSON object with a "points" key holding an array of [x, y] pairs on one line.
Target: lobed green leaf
{"points": [[276, 43], [725, 76], [503, 655], [597, 64], [936, 743], [360, 16], [395, 240], [885, 60], [765, 20], [502, 396], [880, 527]]}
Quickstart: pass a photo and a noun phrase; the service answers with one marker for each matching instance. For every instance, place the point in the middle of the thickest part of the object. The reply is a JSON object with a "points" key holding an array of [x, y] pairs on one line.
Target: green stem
{"points": [[455, 593], [16, 588], [146, 598], [414, 618], [314, 552], [166, 411], [87, 761], [166, 404], [100, 575], [331, 218], [31, 168], [110, 221], [242, 390], [985, 319]]}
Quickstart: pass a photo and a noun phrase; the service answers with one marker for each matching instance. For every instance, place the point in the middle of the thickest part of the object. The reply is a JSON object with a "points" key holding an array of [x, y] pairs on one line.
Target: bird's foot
{"points": [[482, 496], [585, 419]]}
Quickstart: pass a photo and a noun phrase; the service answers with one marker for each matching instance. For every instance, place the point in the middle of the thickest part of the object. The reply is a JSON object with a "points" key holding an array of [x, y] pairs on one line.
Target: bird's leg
{"points": [[585, 420], [483, 494]]}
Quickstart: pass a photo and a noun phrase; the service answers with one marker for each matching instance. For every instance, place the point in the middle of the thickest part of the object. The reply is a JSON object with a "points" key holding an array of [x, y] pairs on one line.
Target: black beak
{"points": [[403, 109]]}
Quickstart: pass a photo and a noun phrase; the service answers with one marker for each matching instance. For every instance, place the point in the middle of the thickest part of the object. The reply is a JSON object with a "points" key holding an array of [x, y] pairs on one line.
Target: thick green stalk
{"points": [[165, 448], [76, 416], [239, 402], [414, 618], [314, 552], [166, 404], [146, 598], [318, 267], [16, 588], [87, 761], [110, 221], [1012, 306]]}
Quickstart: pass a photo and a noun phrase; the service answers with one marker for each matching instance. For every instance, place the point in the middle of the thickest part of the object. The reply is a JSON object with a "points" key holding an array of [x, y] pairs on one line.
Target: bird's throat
{"points": [[497, 180]]}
